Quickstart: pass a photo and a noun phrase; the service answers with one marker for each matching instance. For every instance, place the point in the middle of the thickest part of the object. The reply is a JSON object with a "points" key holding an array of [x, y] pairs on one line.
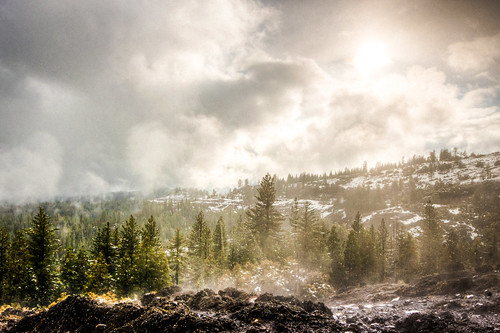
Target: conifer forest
{"points": [[250, 166]]}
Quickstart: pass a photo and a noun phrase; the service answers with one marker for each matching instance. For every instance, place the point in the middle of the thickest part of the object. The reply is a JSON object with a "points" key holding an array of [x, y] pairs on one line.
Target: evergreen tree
{"points": [[407, 262], [356, 225], [243, 246], [103, 243], [19, 280], [264, 220], [367, 252], [453, 251], [4, 246], [383, 237], [199, 238], [98, 277], [199, 244], [352, 262], [295, 217], [130, 237], [220, 243], [42, 245], [305, 229], [336, 251], [127, 270], [176, 255], [431, 240], [320, 258], [73, 270], [153, 265]]}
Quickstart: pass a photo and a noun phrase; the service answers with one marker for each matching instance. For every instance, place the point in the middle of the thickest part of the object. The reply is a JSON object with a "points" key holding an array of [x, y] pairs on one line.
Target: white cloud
{"points": [[478, 55], [168, 93], [31, 171]]}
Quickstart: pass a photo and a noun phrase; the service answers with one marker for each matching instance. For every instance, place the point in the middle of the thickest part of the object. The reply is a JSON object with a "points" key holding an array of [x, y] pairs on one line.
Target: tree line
{"points": [[129, 258]]}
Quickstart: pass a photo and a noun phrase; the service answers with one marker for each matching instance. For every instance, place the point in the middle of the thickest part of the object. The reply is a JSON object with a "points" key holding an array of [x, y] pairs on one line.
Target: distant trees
{"points": [[177, 242]]}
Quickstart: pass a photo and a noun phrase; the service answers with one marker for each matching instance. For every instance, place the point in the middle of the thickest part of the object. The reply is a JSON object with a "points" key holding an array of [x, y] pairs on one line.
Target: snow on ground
{"points": [[322, 208], [415, 231], [473, 170], [396, 213]]}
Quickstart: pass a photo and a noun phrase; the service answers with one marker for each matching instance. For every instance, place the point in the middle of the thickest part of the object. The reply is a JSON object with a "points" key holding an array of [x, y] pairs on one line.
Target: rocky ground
{"points": [[455, 302], [459, 302]]}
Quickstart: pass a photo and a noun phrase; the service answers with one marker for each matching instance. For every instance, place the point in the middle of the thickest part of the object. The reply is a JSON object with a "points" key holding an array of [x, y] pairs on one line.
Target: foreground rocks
{"points": [[459, 302], [440, 303], [228, 310]]}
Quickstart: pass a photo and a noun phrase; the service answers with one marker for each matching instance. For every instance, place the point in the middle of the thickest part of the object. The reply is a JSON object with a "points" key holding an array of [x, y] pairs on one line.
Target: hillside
{"points": [[397, 192]]}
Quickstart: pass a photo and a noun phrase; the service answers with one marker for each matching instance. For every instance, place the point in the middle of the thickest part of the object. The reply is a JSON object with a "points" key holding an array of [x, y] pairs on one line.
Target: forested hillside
{"points": [[305, 234]]}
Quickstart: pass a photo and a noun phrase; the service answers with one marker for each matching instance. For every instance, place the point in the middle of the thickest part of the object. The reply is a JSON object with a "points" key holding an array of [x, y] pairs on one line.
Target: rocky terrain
{"points": [[458, 302]]}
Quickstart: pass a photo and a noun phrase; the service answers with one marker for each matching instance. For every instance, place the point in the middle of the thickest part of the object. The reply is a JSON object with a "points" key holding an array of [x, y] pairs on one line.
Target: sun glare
{"points": [[371, 56]]}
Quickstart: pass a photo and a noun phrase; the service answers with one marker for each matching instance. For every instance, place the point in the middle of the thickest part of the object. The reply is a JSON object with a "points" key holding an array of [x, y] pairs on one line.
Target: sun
{"points": [[371, 56]]}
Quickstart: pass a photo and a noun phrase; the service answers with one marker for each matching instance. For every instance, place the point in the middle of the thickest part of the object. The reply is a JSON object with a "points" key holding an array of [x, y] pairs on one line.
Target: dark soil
{"points": [[229, 310], [459, 302]]}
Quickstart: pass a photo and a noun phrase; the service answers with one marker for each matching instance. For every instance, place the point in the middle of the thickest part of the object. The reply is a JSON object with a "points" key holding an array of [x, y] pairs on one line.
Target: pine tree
{"points": [[407, 262], [306, 229], [453, 251], [383, 236], [336, 251], [199, 244], [176, 255], [242, 246], [367, 252], [103, 243], [220, 243], [153, 265], [431, 240], [199, 238], [98, 277], [352, 261], [127, 270], [42, 246], [4, 246], [264, 220], [74, 268], [20, 278], [356, 225]]}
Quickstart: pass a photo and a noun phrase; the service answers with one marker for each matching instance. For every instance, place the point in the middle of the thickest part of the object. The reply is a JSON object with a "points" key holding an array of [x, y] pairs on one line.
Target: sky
{"points": [[103, 96]]}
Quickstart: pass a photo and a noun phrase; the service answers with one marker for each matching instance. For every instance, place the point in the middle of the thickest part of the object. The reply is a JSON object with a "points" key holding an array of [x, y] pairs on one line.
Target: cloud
{"points": [[141, 95], [480, 54], [32, 170]]}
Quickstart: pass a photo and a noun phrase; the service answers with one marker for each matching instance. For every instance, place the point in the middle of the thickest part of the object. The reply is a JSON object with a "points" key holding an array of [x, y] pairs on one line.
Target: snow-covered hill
{"points": [[424, 177]]}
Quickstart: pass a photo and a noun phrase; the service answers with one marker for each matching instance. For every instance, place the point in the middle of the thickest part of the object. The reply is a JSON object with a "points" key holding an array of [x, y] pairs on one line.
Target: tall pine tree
{"points": [[42, 246], [153, 264], [264, 219], [176, 255]]}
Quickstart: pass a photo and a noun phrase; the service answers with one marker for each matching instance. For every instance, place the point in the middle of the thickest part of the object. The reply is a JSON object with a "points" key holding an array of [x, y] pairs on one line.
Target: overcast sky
{"points": [[99, 96]]}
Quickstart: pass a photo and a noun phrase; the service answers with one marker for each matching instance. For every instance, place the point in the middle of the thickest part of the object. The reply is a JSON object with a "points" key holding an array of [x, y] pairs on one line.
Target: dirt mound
{"points": [[451, 283], [205, 311], [439, 284], [443, 322]]}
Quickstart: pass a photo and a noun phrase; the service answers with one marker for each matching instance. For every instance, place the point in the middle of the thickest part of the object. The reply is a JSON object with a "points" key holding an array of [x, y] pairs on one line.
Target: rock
{"points": [[227, 311]]}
